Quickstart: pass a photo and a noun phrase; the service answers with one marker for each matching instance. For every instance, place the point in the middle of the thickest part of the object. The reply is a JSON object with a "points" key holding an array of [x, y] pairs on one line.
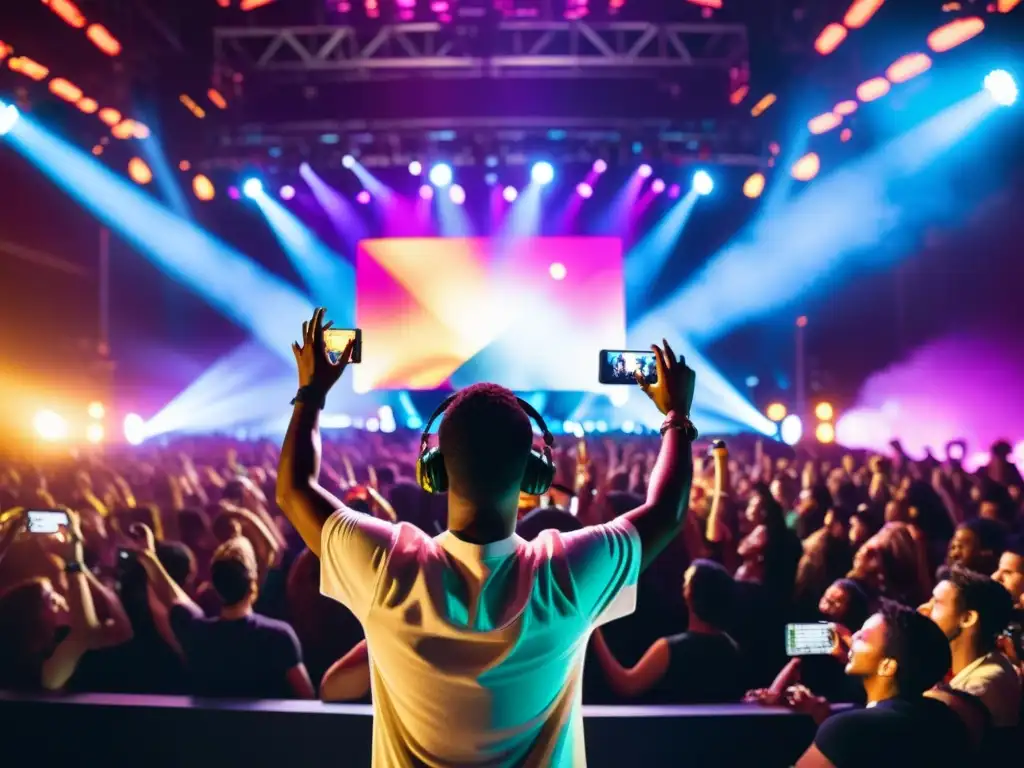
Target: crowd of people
{"points": [[177, 573]]}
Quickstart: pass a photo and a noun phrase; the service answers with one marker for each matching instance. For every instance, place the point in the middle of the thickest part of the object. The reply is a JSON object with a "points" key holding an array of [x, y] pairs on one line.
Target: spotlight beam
{"points": [[242, 290]]}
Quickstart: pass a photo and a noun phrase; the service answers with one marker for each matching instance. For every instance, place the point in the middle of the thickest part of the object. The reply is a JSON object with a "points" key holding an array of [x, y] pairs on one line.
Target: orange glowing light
{"points": [[872, 89], [252, 5], [860, 12], [224, 3], [103, 40], [775, 412], [192, 107], [758, 109], [739, 94], [29, 68], [955, 33], [5, 50], [824, 411], [97, 150], [716, 4], [216, 98], [845, 135], [824, 123], [87, 105], [805, 169], [184, 165], [1005, 6], [139, 171], [65, 90], [68, 11], [203, 188], [124, 130], [140, 130], [754, 185], [830, 38], [110, 116], [907, 67], [844, 108]]}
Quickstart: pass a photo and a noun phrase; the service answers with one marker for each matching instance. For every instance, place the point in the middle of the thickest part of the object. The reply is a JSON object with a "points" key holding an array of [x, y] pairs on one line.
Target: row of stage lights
{"points": [[51, 427], [542, 173], [791, 425]]}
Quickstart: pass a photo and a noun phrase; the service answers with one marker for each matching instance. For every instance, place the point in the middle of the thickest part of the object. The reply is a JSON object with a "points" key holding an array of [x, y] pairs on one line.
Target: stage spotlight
{"points": [[348, 161], [776, 412], [999, 83], [457, 194], [510, 194], [675, 191], [752, 381], [441, 175], [703, 184], [824, 411], [94, 433], [426, 192], [415, 167], [203, 189], [490, 179], [584, 190], [9, 115], [134, 429], [645, 171], [754, 185], [252, 188], [791, 429], [557, 271], [363, 198], [287, 192], [542, 173], [600, 166], [233, 193], [95, 410], [657, 186], [51, 426], [825, 433]]}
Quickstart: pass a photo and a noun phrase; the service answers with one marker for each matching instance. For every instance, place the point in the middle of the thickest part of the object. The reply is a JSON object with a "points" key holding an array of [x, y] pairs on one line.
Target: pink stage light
{"points": [[363, 197], [415, 167], [457, 194], [584, 190], [657, 186], [600, 166], [674, 191], [510, 194], [426, 192], [645, 171], [287, 192], [233, 193]]}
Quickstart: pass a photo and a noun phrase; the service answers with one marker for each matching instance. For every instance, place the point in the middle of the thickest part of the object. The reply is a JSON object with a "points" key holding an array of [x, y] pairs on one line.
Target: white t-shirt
{"points": [[476, 652], [992, 679]]}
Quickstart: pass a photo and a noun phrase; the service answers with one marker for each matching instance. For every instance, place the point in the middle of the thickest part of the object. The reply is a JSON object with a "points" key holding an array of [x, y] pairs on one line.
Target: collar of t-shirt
{"points": [[468, 552]]}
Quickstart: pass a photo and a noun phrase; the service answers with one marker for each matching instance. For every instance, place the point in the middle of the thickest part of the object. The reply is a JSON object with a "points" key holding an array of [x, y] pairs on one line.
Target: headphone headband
{"points": [[528, 409]]}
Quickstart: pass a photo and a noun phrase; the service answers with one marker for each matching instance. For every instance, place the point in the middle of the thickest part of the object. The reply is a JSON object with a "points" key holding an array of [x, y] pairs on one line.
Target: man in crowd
{"points": [[476, 637], [976, 545], [972, 610], [1010, 573], [898, 655], [240, 654]]}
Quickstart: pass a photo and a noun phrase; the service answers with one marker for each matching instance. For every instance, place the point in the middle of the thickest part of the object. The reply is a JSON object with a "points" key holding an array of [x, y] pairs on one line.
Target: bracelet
{"points": [[680, 422], [308, 396], [73, 566]]}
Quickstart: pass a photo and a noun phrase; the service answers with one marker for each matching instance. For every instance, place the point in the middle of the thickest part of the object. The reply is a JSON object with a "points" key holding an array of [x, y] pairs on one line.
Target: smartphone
{"points": [[817, 639], [618, 366], [337, 339], [47, 521]]}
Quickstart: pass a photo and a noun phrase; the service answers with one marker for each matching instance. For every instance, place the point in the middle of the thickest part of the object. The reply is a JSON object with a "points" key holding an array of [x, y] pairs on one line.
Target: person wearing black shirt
{"points": [[898, 655], [240, 654], [700, 666]]}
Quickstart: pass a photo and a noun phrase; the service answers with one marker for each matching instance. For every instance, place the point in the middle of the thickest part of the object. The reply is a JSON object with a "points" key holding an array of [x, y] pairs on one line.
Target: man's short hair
{"points": [[711, 592], [485, 437], [178, 560], [234, 571], [978, 592], [919, 647], [990, 534]]}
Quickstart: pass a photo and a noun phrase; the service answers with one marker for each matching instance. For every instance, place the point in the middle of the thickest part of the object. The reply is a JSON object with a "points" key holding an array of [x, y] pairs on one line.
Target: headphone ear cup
{"points": [[431, 473], [539, 474]]}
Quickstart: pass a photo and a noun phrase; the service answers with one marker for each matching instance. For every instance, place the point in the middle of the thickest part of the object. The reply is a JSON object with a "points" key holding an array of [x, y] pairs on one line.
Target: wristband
{"points": [[308, 396], [73, 566], [680, 422]]}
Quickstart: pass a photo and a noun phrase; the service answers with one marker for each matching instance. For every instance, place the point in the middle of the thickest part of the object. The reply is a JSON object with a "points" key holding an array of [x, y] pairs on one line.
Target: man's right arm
{"points": [[659, 520]]}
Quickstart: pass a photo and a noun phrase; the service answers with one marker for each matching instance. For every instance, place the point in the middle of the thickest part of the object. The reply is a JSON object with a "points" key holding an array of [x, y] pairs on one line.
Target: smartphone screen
{"points": [[809, 639], [618, 366], [336, 339], [46, 521]]}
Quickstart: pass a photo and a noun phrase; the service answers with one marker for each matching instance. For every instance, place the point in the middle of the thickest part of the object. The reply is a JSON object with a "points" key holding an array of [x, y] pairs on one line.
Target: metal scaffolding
{"points": [[507, 49]]}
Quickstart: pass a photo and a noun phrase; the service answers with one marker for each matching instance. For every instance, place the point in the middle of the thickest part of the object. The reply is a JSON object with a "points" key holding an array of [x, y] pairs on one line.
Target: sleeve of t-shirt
{"points": [[604, 563], [846, 739], [287, 650], [183, 623], [354, 549]]}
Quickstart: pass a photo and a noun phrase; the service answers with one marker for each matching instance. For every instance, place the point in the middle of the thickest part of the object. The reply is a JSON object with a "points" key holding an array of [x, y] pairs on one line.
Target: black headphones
{"points": [[540, 467]]}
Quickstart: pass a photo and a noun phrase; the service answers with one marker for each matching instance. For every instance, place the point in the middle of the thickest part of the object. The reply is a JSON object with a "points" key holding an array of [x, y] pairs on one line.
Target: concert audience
{"points": [[767, 541]]}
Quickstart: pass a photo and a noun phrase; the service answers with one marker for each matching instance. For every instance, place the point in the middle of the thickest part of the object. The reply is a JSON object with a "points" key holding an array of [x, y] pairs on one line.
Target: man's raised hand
{"points": [[674, 388], [316, 369]]}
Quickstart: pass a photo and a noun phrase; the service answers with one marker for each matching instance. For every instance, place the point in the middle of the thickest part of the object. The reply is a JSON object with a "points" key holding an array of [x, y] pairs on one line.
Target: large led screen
{"points": [[530, 313]]}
